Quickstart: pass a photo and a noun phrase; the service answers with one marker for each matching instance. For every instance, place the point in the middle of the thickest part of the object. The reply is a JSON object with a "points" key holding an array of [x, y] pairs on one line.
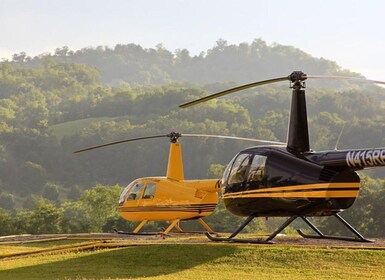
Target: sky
{"points": [[349, 32]]}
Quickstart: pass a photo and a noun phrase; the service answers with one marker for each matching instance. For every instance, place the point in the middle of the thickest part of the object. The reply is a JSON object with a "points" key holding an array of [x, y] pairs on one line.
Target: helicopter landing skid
{"points": [[254, 241], [139, 233], [237, 240], [358, 237]]}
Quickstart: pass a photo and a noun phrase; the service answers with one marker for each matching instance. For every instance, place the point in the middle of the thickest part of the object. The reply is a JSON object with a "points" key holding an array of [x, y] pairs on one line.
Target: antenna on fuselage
{"points": [[339, 137]]}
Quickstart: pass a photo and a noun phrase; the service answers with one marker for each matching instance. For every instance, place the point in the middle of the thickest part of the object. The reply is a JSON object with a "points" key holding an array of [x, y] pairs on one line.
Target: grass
{"points": [[208, 261], [72, 127], [7, 249]]}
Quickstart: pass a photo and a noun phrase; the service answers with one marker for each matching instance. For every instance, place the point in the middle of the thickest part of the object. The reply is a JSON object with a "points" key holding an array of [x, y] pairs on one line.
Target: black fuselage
{"points": [[270, 181]]}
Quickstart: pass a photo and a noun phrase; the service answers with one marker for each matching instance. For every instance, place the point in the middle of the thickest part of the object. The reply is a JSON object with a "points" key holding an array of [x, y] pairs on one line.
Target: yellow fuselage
{"points": [[173, 199]]}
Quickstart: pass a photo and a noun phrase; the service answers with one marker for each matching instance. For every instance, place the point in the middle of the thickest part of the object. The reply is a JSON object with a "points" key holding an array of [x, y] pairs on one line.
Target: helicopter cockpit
{"points": [[134, 191], [245, 170]]}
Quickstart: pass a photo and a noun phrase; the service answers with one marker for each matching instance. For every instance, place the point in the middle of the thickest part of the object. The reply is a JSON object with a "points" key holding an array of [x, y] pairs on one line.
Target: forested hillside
{"points": [[241, 63], [54, 104]]}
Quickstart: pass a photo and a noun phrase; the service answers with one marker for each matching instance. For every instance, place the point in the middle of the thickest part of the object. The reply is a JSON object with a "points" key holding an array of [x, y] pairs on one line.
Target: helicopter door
{"points": [[149, 191], [257, 172], [135, 192]]}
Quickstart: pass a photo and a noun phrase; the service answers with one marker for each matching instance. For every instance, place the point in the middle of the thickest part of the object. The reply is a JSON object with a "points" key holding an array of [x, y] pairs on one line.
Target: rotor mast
{"points": [[298, 133]]}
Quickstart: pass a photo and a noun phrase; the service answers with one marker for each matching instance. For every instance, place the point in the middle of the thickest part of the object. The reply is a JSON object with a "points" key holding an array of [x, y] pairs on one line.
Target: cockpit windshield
{"points": [[227, 171], [131, 192], [123, 195], [240, 166]]}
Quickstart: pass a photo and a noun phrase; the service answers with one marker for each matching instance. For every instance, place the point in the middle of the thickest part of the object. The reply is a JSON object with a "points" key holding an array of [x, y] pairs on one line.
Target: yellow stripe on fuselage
{"points": [[325, 190]]}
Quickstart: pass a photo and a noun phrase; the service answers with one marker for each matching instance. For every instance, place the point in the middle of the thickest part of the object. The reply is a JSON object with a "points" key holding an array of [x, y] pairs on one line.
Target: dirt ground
{"points": [[186, 238]]}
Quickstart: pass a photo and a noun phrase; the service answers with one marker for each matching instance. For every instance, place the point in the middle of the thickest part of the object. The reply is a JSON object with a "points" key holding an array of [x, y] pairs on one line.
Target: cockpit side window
{"points": [[257, 170], [135, 191], [240, 166], [149, 192]]}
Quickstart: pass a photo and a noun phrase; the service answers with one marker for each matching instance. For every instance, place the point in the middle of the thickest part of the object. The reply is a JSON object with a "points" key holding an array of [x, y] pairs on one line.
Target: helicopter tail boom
{"points": [[206, 185], [353, 159]]}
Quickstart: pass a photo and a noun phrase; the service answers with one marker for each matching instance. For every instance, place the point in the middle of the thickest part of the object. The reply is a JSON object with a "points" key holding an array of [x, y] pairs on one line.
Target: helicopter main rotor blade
{"points": [[233, 137], [119, 142], [343, 78], [295, 76], [174, 137], [228, 91]]}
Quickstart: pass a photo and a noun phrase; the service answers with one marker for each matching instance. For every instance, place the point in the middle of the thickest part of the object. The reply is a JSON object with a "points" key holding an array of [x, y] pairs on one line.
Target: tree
{"points": [[7, 222], [19, 58], [7, 201], [216, 171], [44, 217], [76, 217], [100, 203], [33, 177], [74, 193], [51, 192]]}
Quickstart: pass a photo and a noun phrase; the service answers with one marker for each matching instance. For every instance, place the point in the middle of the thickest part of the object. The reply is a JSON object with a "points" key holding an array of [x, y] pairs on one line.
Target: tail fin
{"points": [[175, 162]]}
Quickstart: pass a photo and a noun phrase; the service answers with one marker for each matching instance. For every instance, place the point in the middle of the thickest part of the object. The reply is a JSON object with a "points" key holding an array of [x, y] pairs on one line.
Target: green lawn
{"points": [[201, 262], [18, 248], [72, 127]]}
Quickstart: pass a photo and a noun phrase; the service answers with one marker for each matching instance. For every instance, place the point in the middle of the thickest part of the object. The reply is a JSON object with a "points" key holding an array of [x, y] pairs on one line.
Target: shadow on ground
{"points": [[132, 262]]}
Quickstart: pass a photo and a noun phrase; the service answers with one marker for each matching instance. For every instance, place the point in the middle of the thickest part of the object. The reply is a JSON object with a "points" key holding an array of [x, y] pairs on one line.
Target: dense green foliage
{"points": [[94, 210], [54, 104]]}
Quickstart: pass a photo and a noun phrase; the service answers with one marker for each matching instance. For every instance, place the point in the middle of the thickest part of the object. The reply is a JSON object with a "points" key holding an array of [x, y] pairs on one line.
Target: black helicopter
{"points": [[293, 181]]}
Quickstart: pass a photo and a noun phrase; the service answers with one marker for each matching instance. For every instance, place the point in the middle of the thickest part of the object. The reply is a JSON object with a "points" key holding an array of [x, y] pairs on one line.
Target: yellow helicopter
{"points": [[170, 198]]}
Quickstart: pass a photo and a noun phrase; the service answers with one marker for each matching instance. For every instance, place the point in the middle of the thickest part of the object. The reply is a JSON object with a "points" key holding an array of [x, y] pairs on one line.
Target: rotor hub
{"points": [[174, 136], [297, 80]]}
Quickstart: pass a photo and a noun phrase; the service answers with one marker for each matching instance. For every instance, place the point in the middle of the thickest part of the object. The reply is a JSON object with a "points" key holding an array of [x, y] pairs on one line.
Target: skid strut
{"points": [[319, 235], [257, 241], [173, 224], [358, 237]]}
